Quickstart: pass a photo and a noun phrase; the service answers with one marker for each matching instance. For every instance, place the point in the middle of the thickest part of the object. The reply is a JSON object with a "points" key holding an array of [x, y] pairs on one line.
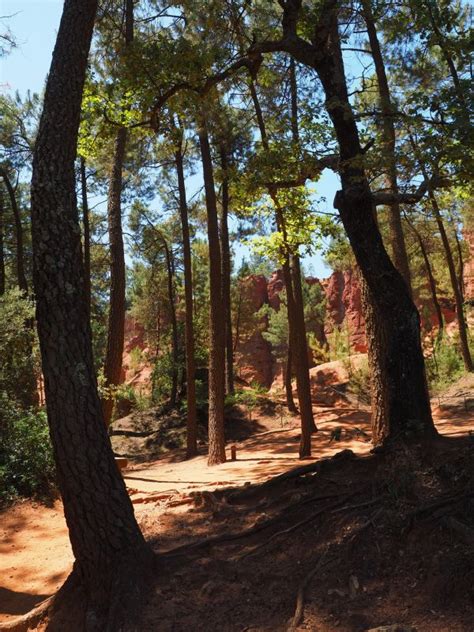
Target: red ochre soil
{"points": [[375, 561]]}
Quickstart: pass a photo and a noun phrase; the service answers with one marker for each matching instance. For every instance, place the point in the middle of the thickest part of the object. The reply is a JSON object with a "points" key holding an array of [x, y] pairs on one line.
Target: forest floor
{"points": [[387, 539]]}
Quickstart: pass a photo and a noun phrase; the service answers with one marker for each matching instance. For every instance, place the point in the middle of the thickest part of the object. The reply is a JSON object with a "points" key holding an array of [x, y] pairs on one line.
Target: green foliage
{"points": [[127, 398], [26, 457], [444, 366], [359, 380], [339, 342], [248, 398], [18, 348], [162, 377]]}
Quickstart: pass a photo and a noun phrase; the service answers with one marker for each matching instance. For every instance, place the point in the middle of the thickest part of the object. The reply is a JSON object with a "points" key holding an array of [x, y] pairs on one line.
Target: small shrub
{"points": [[444, 366], [359, 381], [26, 456], [127, 399]]}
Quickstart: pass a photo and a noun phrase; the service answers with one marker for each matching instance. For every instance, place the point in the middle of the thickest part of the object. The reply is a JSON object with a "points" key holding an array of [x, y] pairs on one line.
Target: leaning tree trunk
{"points": [[226, 267], [216, 314], [191, 427], [397, 238], [86, 235], [107, 543], [402, 410], [20, 254]]}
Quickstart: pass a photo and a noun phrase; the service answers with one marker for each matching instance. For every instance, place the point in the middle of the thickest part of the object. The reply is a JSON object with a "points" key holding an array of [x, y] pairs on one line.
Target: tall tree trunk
{"points": [[397, 365], [2, 254], [116, 321], [298, 347], [290, 402], [460, 257], [301, 346], [191, 427], [431, 279], [463, 337], [226, 267], [20, 254], [106, 541], [397, 239], [174, 324], [294, 102], [300, 341], [86, 235], [299, 358], [216, 314]]}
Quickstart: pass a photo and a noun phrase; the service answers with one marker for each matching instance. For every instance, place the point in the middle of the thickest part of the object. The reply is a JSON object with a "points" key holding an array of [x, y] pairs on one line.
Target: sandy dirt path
{"points": [[35, 554]]}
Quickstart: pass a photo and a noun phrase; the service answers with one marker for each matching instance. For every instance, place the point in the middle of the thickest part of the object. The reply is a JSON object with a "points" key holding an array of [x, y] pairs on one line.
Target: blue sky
{"points": [[34, 24]]}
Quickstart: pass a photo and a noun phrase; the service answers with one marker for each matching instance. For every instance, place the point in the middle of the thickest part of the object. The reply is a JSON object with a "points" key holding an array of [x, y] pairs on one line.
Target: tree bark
{"points": [[226, 269], [397, 238], [174, 324], [398, 376], [300, 341], [116, 321], [86, 235], [191, 427], [301, 346], [106, 541], [20, 254], [216, 314], [298, 347], [460, 257], [290, 402]]}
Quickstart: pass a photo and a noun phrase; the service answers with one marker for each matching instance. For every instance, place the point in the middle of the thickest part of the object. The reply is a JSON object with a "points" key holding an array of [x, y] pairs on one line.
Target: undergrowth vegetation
{"points": [[26, 457]]}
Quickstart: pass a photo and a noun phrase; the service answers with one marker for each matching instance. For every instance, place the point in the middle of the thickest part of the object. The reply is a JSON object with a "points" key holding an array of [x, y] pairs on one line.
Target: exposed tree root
{"points": [[298, 616], [311, 468], [450, 500], [359, 505], [105, 606], [30, 620], [289, 530], [256, 528]]}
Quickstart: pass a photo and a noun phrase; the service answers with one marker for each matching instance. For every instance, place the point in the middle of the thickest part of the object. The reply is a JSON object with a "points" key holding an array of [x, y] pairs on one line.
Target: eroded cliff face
{"points": [[254, 359], [253, 354], [344, 308], [469, 266]]}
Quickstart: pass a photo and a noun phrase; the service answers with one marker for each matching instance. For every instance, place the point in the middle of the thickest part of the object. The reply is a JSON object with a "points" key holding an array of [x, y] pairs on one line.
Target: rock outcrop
{"points": [[344, 307], [253, 354], [469, 266]]}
